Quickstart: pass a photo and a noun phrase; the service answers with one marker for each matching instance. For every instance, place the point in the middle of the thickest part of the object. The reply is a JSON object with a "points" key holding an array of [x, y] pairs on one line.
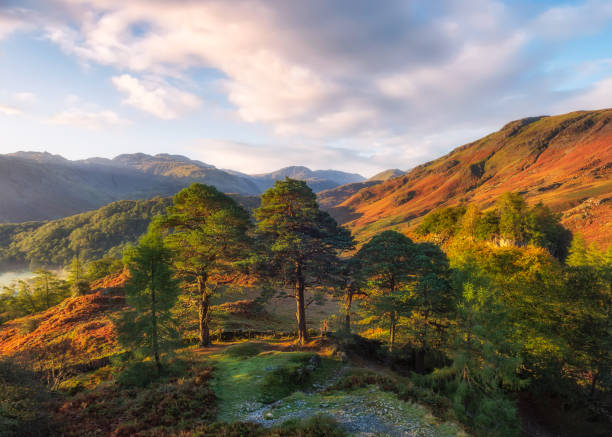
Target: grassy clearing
{"points": [[246, 378]]}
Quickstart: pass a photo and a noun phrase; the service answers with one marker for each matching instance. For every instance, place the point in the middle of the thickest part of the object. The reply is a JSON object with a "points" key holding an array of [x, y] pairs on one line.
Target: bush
{"points": [[138, 374], [23, 412], [30, 325], [294, 375], [316, 426]]}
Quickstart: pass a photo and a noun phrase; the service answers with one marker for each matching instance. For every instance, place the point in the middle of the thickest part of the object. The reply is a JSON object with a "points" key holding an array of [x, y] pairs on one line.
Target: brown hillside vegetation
{"points": [[564, 161], [80, 326]]}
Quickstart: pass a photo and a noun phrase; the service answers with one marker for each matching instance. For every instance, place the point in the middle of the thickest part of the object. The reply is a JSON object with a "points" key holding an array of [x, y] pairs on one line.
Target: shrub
{"points": [[22, 403], [316, 426], [138, 374], [292, 376]]}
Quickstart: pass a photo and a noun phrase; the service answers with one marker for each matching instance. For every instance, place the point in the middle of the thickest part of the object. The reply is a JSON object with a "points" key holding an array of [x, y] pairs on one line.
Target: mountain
{"points": [[564, 161], [41, 186], [318, 180], [330, 199], [387, 174]]}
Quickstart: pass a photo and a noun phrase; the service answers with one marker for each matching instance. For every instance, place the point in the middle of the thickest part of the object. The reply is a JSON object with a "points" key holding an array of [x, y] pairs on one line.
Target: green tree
{"points": [[77, 277], [151, 291], [48, 288], [486, 357], [209, 233], [545, 230], [388, 266], [512, 216], [348, 285], [31, 296], [469, 221], [301, 241], [432, 299], [102, 267]]}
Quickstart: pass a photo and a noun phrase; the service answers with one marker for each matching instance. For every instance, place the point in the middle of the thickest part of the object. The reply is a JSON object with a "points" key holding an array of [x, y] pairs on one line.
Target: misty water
{"points": [[7, 278]]}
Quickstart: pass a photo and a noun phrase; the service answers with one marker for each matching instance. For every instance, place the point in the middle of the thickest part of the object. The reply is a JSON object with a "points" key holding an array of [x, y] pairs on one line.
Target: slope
{"points": [[564, 161], [90, 235]]}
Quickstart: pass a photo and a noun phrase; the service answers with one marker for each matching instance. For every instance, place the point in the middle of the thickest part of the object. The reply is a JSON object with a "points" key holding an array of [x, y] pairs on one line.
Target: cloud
{"points": [[316, 69], [88, 119], [155, 97], [356, 82], [12, 20], [563, 22], [25, 97], [596, 96], [9, 110]]}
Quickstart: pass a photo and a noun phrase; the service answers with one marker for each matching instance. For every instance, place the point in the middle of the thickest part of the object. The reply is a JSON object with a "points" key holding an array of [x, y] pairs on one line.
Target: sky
{"points": [[255, 85]]}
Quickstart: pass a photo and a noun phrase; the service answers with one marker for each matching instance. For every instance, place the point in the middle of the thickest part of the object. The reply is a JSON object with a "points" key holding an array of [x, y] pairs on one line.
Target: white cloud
{"points": [[88, 119], [25, 97], [563, 22], [12, 20], [300, 69], [9, 110], [597, 96], [155, 97], [392, 81]]}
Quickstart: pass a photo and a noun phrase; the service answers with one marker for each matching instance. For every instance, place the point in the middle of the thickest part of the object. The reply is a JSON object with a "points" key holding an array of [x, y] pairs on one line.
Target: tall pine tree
{"points": [[301, 241], [151, 291], [209, 233]]}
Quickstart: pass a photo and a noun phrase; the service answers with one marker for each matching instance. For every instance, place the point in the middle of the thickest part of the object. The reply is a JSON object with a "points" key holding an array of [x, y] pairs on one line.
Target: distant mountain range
{"points": [[565, 161], [41, 186]]}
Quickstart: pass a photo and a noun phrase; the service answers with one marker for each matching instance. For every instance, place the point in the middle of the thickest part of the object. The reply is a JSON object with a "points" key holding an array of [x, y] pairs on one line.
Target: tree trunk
{"points": [[419, 364], [594, 384], [347, 317], [203, 313], [301, 307], [154, 334], [392, 331]]}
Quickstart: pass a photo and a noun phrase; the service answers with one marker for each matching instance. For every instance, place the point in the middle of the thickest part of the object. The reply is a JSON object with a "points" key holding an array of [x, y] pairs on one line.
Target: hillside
{"points": [[41, 186], [387, 174], [564, 161], [92, 234]]}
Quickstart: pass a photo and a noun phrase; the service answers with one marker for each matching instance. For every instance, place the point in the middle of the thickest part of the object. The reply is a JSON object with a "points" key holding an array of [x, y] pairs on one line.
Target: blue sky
{"points": [[255, 85]]}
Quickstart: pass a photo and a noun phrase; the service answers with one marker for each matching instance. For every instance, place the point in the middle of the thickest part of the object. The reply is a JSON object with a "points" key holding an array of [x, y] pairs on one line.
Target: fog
{"points": [[7, 277]]}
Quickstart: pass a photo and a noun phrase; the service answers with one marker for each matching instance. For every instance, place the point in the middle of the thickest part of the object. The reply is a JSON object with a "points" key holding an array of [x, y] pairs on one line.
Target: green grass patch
{"points": [[244, 350], [245, 383]]}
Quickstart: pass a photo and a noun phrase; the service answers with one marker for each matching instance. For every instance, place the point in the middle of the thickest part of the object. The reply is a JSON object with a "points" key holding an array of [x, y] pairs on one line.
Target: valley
{"points": [[465, 297]]}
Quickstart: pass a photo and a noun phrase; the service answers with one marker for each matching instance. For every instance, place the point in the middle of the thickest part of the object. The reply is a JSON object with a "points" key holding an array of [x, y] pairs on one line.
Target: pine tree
{"points": [[432, 299], [301, 241], [209, 233], [347, 286], [151, 291], [388, 266], [77, 277]]}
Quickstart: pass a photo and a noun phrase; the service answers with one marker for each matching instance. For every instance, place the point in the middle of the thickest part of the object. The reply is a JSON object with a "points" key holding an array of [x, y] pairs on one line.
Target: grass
{"points": [[245, 379]]}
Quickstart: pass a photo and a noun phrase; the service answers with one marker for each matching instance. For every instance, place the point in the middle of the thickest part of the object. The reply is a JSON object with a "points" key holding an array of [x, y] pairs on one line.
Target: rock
{"points": [[268, 416], [315, 361]]}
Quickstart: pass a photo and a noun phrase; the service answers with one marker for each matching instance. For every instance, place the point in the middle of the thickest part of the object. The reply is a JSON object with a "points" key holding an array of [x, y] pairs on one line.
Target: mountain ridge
{"points": [[42, 186], [564, 161]]}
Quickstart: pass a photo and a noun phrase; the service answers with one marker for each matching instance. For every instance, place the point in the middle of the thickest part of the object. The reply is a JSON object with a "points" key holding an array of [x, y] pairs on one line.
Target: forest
{"points": [[481, 316]]}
